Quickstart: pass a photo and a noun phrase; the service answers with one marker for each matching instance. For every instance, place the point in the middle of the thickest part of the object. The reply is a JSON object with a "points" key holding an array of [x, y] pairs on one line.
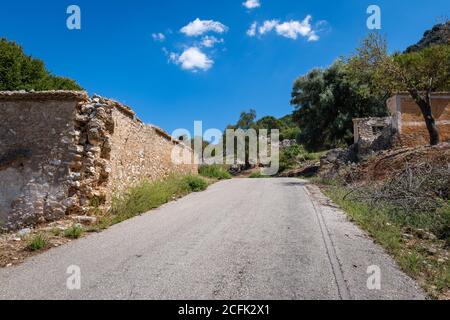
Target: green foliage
{"points": [[257, 175], [326, 102], [286, 125], [294, 155], [288, 129], [74, 232], [288, 157], [196, 184], [442, 225], [21, 72], [291, 133], [387, 228], [426, 70], [418, 72], [214, 172], [439, 34], [37, 242], [149, 195], [246, 120]]}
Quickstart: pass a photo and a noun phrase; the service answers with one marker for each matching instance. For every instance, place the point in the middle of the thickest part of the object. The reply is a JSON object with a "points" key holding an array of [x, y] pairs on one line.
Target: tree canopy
{"points": [[21, 72], [326, 101], [418, 72], [248, 120]]}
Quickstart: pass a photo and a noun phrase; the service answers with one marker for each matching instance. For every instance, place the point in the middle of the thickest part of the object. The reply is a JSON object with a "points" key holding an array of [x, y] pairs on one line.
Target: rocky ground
{"points": [[15, 246]]}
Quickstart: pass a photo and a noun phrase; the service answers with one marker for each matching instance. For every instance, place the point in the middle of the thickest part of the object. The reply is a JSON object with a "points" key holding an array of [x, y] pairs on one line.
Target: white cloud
{"points": [[268, 26], [199, 27], [159, 37], [210, 41], [192, 59], [251, 32], [290, 29], [252, 4], [293, 29]]}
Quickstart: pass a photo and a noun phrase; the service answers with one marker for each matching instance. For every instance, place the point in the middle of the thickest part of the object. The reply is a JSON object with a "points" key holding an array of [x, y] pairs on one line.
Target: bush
{"points": [[74, 232], [21, 72], [295, 155], [390, 226], [37, 242], [257, 175], [148, 195], [214, 172], [196, 184]]}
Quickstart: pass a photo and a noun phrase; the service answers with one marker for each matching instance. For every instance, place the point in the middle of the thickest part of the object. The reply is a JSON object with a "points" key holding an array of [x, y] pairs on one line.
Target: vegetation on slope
{"points": [[402, 199], [439, 34], [214, 172]]}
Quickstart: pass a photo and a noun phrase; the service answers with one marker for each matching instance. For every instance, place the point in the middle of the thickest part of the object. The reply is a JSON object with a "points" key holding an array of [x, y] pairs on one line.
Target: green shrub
{"points": [[257, 175], [295, 155], [214, 172], [388, 227], [37, 242], [148, 195], [19, 71], [74, 232], [196, 184]]}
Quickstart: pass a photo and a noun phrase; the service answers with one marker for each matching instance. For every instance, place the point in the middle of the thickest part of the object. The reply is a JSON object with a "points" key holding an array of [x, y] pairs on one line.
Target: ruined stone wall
{"points": [[140, 150], [60, 150], [409, 121], [36, 149], [372, 134]]}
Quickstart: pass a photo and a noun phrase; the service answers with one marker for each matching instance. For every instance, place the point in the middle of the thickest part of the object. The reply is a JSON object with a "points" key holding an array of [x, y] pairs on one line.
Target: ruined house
{"points": [[61, 150], [405, 127]]}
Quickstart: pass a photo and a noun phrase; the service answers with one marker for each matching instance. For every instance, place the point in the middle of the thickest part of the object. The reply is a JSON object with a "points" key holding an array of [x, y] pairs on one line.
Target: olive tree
{"points": [[419, 73]]}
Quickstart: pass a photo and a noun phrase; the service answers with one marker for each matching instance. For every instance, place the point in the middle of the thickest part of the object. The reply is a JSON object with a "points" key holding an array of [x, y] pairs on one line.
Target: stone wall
{"points": [[410, 124], [60, 150], [372, 134]]}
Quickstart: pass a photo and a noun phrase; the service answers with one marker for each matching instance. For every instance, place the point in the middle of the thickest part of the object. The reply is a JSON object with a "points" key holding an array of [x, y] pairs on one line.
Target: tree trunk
{"points": [[425, 107]]}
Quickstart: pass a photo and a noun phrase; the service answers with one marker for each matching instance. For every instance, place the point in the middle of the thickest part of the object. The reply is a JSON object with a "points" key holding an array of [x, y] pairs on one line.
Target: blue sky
{"points": [[118, 52]]}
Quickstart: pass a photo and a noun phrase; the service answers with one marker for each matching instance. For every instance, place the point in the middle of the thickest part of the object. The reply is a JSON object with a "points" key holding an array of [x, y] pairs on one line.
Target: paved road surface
{"points": [[241, 239]]}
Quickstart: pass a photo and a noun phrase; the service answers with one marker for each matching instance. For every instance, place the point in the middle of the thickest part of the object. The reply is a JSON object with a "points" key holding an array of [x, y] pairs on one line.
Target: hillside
{"points": [[439, 34]]}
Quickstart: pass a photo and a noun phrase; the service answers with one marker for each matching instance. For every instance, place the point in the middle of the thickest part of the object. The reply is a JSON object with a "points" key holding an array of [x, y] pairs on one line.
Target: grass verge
{"points": [[420, 255], [37, 242], [74, 232], [148, 195], [257, 175], [214, 172]]}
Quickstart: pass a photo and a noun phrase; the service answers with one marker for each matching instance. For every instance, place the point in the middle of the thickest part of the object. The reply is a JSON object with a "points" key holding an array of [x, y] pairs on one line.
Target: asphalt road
{"points": [[240, 239]]}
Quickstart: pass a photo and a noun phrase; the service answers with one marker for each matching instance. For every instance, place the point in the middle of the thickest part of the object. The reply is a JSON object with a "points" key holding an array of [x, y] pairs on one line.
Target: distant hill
{"points": [[439, 34]]}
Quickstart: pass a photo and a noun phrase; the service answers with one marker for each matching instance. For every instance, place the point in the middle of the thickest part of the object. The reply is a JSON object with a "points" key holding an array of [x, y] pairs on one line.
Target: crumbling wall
{"points": [[36, 148], [61, 150], [372, 134], [141, 150], [410, 124]]}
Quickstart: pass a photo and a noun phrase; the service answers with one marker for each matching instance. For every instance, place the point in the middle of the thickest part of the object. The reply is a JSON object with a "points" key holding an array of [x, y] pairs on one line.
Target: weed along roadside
{"points": [[138, 199], [420, 253]]}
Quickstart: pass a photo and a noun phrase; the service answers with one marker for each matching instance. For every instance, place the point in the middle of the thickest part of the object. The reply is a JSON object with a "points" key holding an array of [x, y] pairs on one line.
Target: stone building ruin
{"points": [[405, 127], [61, 150]]}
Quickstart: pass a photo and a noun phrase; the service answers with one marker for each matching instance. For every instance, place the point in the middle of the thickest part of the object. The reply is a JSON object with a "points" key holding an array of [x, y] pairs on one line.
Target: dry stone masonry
{"points": [[404, 128], [61, 150]]}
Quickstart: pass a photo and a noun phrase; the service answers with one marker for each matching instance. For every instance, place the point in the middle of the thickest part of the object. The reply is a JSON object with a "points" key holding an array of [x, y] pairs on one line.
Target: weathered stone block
{"points": [[60, 149]]}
